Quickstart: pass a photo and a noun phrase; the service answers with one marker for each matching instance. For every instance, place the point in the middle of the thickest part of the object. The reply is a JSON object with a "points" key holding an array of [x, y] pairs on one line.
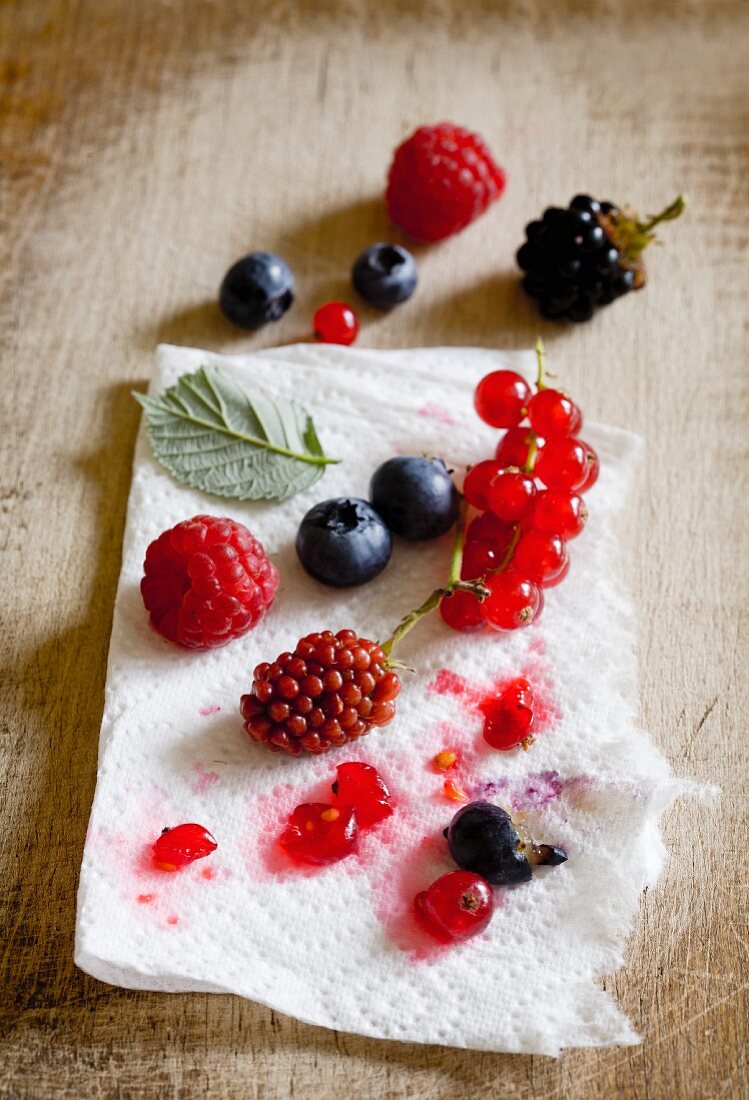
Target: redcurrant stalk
{"points": [[542, 374], [454, 584]]}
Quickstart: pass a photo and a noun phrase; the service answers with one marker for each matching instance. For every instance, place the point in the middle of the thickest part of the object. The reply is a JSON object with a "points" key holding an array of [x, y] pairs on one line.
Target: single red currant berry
{"points": [[479, 557], [552, 582], [552, 414], [456, 906], [592, 468], [513, 602], [181, 845], [335, 323], [560, 511], [501, 398], [477, 482], [320, 834], [361, 786], [577, 420], [462, 611], [514, 446], [540, 556], [508, 717], [562, 464], [511, 495], [488, 528]]}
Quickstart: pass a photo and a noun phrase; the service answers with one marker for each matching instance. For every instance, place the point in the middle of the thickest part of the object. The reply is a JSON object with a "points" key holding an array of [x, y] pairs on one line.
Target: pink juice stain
{"points": [[205, 778], [432, 411], [206, 712]]}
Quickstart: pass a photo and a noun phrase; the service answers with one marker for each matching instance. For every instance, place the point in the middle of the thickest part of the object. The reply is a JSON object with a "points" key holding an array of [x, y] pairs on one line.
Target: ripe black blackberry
{"points": [[586, 256]]}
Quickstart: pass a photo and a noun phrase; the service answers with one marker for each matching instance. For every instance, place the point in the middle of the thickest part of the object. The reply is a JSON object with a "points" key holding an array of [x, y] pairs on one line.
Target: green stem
{"points": [[454, 584], [511, 547], [674, 210], [456, 558], [541, 357], [530, 461]]}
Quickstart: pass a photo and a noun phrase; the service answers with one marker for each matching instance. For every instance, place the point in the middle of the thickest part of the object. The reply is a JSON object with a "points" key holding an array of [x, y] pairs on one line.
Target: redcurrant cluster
{"points": [[529, 502]]}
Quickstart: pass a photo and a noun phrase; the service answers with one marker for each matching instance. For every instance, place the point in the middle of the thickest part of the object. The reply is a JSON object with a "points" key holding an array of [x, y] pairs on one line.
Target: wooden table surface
{"points": [[145, 146]]}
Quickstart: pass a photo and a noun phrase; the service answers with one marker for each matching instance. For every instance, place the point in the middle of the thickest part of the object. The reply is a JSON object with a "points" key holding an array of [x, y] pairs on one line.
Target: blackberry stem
{"points": [[668, 215]]}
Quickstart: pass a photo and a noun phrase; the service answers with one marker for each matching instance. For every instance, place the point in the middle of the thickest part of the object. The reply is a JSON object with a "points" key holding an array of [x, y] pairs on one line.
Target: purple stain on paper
{"points": [[537, 790], [532, 791]]}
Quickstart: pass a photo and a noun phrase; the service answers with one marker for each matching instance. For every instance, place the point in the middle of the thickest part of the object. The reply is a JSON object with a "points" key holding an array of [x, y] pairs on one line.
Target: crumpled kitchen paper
{"points": [[337, 946]]}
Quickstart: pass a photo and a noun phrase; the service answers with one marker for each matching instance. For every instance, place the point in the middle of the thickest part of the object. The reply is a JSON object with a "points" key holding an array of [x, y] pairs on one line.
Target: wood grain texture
{"points": [[144, 147]]}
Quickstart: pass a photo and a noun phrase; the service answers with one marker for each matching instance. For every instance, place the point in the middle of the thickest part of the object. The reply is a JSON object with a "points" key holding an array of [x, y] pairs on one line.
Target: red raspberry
{"points": [[331, 690], [207, 581], [441, 179], [181, 845]]}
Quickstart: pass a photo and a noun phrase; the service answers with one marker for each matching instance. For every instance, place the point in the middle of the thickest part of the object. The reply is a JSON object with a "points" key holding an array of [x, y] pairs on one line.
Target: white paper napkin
{"points": [[337, 947]]}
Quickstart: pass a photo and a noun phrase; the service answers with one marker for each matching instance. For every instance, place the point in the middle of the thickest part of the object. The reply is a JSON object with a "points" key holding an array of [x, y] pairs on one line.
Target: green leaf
{"points": [[210, 434]]}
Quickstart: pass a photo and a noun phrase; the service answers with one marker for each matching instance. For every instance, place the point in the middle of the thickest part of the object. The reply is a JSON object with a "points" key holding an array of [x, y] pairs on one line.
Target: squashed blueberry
{"points": [[483, 838]]}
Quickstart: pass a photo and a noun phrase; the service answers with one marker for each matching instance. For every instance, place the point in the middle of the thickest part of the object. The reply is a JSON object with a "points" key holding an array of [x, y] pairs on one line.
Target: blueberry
{"points": [[483, 839], [415, 496], [343, 542], [384, 275], [257, 289]]}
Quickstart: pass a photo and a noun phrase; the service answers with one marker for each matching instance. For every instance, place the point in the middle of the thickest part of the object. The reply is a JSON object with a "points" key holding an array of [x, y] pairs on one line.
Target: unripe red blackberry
{"points": [[331, 690]]}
